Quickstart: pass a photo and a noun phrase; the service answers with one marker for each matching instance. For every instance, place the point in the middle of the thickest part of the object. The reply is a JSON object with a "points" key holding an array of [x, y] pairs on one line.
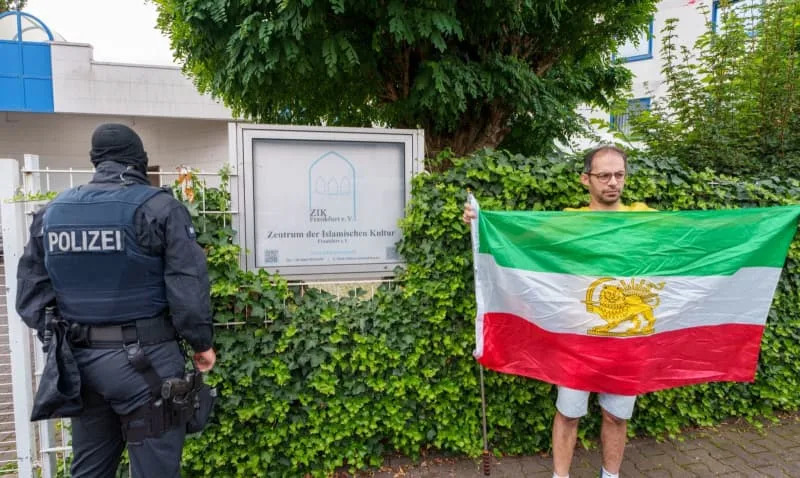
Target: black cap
{"points": [[118, 143]]}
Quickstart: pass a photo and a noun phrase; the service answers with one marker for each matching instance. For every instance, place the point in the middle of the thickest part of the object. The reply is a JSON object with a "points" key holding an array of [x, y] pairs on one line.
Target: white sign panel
{"points": [[325, 202]]}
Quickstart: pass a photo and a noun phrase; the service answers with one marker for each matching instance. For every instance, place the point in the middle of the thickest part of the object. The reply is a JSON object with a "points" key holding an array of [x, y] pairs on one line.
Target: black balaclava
{"points": [[118, 143]]}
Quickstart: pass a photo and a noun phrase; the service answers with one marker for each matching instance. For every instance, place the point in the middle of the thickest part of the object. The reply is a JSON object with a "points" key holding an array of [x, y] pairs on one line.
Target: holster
{"points": [[154, 418], [203, 399], [175, 402], [192, 400], [148, 421], [160, 415]]}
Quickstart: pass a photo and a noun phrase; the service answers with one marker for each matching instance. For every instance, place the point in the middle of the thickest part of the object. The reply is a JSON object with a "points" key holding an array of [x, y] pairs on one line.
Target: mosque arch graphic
{"points": [[332, 186]]}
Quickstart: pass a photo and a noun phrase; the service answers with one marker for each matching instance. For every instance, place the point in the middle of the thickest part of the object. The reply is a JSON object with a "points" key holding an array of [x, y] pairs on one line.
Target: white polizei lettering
{"points": [[93, 246], [108, 240], [63, 241], [52, 241], [75, 246], [87, 240]]}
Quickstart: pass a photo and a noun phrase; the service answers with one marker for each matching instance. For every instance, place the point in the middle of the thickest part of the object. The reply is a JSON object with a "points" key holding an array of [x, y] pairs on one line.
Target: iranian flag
{"points": [[627, 302]]}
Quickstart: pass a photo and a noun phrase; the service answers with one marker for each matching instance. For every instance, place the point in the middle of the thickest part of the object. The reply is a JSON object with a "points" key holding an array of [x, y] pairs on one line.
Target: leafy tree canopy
{"points": [[732, 101], [468, 72], [6, 5]]}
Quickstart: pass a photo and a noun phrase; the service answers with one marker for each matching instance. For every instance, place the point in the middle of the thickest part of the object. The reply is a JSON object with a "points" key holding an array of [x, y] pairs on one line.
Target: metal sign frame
{"points": [[243, 137]]}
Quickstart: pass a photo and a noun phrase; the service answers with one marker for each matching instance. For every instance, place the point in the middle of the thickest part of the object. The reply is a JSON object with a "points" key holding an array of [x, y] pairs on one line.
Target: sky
{"points": [[121, 31]]}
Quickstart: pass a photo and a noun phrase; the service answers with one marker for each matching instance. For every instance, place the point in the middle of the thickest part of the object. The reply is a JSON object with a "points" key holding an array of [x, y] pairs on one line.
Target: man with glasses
{"points": [[604, 172]]}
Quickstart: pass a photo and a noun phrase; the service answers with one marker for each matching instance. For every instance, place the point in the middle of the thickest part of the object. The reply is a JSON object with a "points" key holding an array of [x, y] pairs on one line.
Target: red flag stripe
{"points": [[626, 366]]}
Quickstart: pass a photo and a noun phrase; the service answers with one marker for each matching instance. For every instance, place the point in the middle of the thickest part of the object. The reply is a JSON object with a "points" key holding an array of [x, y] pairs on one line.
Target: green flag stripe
{"points": [[639, 243]]}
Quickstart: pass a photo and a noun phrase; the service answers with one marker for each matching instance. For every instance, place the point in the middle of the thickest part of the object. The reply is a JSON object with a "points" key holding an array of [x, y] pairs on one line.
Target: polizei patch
{"points": [[87, 240]]}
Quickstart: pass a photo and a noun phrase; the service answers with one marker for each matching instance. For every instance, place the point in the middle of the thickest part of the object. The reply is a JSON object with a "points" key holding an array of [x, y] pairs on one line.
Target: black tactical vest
{"points": [[99, 272]]}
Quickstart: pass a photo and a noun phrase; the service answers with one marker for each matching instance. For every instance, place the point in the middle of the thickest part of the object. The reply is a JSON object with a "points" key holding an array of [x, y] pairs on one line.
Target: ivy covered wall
{"points": [[310, 382]]}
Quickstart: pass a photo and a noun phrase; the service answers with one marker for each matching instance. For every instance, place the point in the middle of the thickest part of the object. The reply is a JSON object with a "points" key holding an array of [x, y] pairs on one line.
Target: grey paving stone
{"points": [[715, 450], [659, 473], [530, 465], [540, 474], [739, 464], [773, 471], [698, 469], [734, 450], [792, 466], [774, 442], [689, 457], [687, 445], [655, 449], [628, 468]]}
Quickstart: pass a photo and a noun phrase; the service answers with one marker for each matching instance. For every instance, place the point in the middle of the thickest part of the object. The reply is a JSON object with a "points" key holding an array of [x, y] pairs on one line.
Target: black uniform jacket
{"points": [[164, 227]]}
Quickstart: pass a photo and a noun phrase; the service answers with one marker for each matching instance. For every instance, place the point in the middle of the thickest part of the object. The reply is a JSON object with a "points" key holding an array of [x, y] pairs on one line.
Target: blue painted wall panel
{"points": [[36, 60], [26, 77], [38, 95], [9, 58], [11, 94]]}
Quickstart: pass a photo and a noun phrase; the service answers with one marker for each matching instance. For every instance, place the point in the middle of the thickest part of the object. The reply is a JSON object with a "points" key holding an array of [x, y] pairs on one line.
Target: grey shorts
{"points": [[575, 403]]}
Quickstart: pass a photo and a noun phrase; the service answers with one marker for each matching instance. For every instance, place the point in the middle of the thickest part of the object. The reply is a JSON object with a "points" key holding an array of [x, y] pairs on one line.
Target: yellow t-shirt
{"points": [[637, 206]]}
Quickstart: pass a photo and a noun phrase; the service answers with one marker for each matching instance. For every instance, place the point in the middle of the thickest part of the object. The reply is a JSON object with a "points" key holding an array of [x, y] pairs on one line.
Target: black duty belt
{"points": [[143, 331]]}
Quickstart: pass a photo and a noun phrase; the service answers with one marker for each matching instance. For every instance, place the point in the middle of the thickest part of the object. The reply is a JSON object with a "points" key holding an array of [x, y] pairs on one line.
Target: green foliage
{"points": [[466, 72], [732, 101], [43, 196], [6, 5], [310, 382], [208, 207]]}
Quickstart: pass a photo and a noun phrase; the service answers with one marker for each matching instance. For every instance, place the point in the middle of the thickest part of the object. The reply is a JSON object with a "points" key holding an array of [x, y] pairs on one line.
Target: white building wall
{"points": [[81, 85], [63, 141], [648, 79], [196, 144], [647, 74]]}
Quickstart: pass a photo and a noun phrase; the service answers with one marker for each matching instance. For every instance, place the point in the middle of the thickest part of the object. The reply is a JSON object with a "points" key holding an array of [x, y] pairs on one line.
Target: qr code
{"points": [[391, 253], [271, 256]]}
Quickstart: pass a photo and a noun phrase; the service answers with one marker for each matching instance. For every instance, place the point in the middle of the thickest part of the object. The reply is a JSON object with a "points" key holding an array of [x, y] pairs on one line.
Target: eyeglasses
{"points": [[606, 177]]}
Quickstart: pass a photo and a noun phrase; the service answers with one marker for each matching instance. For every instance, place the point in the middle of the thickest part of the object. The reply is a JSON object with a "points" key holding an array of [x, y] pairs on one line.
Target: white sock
{"points": [[607, 474], [555, 475]]}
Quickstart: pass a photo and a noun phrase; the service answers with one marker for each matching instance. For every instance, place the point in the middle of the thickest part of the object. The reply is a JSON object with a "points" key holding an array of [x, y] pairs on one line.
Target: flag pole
{"points": [[485, 456], [486, 463]]}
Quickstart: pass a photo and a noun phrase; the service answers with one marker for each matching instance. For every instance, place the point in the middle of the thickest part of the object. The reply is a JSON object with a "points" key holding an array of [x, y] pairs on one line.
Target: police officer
{"points": [[119, 260]]}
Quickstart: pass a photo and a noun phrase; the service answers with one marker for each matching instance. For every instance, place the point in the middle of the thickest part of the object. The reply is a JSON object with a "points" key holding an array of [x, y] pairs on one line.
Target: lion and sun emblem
{"points": [[623, 304]]}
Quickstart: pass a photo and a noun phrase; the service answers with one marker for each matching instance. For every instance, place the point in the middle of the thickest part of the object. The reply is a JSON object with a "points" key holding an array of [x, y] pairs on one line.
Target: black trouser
{"points": [[112, 387]]}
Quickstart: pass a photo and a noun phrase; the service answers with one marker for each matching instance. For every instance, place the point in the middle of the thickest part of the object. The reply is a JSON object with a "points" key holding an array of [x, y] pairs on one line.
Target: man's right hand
{"points": [[469, 213], [204, 361]]}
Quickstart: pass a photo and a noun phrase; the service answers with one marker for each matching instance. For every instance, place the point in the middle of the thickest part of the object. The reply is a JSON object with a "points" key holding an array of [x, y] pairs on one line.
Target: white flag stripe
{"points": [[554, 301], [479, 287]]}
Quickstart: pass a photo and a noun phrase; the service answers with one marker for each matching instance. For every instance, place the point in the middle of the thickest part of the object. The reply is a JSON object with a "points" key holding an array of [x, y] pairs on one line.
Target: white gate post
{"points": [[19, 335], [32, 182]]}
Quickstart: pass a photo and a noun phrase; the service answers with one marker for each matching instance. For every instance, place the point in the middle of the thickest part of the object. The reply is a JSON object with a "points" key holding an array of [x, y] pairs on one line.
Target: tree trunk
{"points": [[485, 128]]}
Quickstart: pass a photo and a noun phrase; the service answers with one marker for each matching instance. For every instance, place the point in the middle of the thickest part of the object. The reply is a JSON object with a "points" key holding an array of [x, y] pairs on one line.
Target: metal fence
{"points": [[18, 364], [8, 450], [43, 448]]}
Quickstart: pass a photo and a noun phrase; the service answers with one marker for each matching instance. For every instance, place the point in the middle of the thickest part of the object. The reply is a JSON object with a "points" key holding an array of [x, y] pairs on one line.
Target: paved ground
{"points": [[730, 450]]}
